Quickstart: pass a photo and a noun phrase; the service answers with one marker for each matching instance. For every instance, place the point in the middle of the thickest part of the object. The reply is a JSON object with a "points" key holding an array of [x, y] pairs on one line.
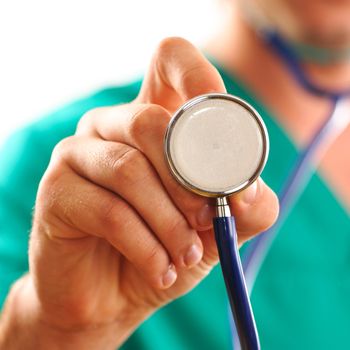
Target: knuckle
{"points": [[62, 148], [199, 74], [57, 175], [151, 119], [171, 228], [112, 214], [191, 203], [154, 259], [49, 196], [188, 203], [87, 120], [54, 174], [194, 74], [130, 167]]}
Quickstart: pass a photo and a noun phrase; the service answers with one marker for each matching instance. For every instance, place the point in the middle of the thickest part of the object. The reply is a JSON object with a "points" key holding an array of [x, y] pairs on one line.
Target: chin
{"points": [[318, 22], [321, 22]]}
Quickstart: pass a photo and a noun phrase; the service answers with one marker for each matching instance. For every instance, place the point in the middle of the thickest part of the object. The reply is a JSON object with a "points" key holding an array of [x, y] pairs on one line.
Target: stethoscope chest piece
{"points": [[216, 144]]}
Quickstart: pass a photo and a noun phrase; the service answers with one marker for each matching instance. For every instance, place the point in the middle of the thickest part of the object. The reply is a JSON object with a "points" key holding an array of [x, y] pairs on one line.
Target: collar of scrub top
{"points": [[305, 163]]}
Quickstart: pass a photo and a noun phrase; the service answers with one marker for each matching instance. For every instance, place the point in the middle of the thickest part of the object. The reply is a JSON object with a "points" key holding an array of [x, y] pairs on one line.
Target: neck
{"points": [[240, 50], [238, 42]]}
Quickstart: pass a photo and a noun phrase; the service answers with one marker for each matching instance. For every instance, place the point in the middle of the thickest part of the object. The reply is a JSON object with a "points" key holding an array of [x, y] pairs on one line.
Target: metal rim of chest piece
{"points": [[233, 189]]}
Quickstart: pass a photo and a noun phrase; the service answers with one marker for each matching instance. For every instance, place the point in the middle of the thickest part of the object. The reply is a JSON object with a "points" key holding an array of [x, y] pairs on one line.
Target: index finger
{"points": [[143, 127], [178, 72]]}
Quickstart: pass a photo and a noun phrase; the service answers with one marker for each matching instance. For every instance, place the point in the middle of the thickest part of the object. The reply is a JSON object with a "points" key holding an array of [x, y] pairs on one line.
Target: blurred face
{"points": [[324, 23]]}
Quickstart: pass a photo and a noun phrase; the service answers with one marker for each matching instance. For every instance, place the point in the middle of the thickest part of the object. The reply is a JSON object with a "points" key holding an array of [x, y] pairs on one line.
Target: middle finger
{"points": [[143, 127], [125, 171]]}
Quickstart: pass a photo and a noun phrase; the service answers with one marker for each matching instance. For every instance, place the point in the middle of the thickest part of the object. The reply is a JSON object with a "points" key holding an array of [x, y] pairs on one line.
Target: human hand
{"points": [[114, 235]]}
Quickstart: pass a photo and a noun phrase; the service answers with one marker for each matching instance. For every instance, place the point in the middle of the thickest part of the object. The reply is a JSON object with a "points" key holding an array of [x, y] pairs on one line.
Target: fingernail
{"points": [[169, 277], [249, 194], [193, 255], [205, 217]]}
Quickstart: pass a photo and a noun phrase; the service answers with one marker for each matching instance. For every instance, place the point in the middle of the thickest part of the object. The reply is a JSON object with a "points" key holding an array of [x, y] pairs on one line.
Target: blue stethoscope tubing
{"points": [[296, 181], [226, 241]]}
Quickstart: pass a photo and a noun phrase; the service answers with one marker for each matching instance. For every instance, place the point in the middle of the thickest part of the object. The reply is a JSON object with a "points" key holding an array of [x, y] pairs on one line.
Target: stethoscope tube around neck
{"points": [[304, 165]]}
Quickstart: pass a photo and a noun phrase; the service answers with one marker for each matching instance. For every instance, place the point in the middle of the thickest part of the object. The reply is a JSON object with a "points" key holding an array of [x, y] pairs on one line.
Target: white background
{"points": [[54, 51]]}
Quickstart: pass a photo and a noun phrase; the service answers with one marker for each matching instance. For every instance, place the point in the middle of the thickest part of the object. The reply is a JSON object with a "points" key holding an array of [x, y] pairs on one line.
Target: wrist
{"points": [[24, 324]]}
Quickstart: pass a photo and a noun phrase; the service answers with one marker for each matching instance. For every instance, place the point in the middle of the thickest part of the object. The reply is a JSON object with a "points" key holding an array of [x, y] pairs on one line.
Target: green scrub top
{"points": [[301, 298]]}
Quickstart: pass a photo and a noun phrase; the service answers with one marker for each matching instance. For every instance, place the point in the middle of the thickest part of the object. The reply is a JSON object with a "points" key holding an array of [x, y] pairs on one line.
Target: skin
{"points": [[99, 255], [296, 110], [323, 23], [102, 259]]}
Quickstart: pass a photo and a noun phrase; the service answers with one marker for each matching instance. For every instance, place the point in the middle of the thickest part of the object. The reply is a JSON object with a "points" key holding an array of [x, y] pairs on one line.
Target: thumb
{"points": [[178, 72]]}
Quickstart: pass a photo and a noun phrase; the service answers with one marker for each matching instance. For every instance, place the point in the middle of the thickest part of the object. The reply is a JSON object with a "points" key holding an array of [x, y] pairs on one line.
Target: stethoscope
{"points": [[217, 145], [304, 165]]}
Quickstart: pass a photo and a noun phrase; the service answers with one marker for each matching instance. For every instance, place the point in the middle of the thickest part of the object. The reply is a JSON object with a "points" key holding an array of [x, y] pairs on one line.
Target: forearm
{"points": [[21, 327]]}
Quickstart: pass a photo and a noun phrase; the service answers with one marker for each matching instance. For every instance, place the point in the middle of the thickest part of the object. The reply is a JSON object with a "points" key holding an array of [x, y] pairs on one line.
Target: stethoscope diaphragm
{"points": [[216, 145]]}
